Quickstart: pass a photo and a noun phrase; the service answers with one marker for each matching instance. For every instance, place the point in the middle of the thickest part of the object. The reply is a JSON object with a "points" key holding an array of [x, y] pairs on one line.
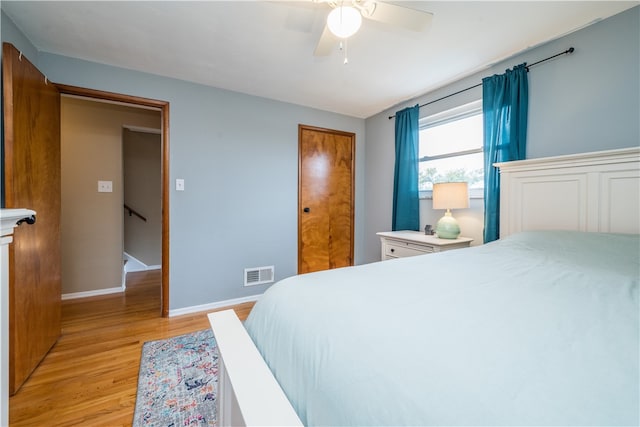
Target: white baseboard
{"points": [[213, 305], [134, 264], [97, 292]]}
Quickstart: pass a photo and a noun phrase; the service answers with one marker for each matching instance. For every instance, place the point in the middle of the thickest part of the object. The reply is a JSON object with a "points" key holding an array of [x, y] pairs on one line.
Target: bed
{"points": [[538, 328]]}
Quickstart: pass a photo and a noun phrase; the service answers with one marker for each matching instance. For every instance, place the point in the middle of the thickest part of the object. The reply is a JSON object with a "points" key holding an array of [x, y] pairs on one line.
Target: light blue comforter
{"points": [[537, 329]]}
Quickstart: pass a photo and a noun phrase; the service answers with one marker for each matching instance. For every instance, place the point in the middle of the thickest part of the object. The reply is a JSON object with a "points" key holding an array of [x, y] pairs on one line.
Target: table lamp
{"points": [[449, 195]]}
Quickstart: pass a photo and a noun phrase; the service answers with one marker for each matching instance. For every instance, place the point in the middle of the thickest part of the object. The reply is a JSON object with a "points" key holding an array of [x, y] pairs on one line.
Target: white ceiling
{"points": [[265, 48]]}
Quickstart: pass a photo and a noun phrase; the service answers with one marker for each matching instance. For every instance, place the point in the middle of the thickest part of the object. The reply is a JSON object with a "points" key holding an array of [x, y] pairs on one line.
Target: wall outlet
{"points": [[179, 184], [105, 186]]}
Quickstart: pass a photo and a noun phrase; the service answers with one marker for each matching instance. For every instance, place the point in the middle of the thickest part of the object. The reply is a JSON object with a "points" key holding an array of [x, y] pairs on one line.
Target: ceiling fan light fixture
{"points": [[344, 21]]}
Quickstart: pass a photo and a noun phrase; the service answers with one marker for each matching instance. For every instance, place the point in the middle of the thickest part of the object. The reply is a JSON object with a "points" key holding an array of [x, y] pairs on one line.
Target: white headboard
{"points": [[586, 192]]}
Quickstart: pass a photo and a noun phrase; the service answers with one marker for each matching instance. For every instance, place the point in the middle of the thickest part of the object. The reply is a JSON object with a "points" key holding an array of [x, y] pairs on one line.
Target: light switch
{"points": [[179, 184], [105, 186]]}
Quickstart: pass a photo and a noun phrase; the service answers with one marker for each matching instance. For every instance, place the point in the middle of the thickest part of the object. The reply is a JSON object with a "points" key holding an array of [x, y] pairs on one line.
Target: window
{"points": [[451, 149]]}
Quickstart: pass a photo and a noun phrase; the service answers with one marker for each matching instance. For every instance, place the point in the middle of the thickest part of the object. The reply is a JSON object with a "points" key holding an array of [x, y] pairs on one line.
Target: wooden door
{"points": [[325, 198], [32, 180]]}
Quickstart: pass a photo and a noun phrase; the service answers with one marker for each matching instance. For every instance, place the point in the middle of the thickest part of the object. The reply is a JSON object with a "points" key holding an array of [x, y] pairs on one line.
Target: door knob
{"points": [[306, 210]]}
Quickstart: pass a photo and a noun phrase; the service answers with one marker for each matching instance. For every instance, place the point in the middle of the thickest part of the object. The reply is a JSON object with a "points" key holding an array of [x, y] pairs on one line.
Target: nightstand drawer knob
{"points": [[392, 250], [306, 210]]}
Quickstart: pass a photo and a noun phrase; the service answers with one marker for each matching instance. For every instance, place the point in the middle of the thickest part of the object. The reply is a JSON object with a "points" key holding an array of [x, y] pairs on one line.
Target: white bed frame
{"points": [[586, 192], [248, 393]]}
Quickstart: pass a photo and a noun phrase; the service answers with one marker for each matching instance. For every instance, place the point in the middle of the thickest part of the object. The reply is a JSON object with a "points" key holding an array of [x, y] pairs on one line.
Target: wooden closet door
{"points": [[31, 180], [325, 199]]}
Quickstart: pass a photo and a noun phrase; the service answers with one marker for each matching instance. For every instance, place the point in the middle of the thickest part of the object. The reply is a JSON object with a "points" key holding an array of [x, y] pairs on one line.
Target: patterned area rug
{"points": [[178, 382]]}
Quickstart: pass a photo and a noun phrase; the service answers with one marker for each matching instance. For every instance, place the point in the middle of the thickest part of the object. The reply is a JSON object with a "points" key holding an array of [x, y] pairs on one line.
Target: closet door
{"points": [[325, 198], [31, 180]]}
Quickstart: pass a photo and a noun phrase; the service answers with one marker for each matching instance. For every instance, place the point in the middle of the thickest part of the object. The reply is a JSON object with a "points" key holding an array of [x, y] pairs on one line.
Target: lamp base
{"points": [[447, 227]]}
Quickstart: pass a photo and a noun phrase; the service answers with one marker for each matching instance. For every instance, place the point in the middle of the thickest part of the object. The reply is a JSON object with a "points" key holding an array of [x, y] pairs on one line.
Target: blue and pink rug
{"points": [[178, 382]]}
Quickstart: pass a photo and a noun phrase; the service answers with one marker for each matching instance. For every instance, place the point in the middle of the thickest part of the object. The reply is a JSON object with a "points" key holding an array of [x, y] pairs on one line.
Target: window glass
{"points": [[451, 149]]}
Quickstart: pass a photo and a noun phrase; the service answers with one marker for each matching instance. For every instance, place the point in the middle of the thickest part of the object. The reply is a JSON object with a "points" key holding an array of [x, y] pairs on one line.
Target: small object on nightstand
{"points": [[428, 230]]}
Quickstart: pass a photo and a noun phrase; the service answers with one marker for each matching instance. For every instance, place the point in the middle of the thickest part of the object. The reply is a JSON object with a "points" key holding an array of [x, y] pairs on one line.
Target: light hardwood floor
{"points": [[89, 378]]}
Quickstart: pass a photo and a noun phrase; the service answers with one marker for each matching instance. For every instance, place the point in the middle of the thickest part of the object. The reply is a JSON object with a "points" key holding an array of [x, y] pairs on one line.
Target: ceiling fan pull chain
{"points": [[346, 58], [343, 48]]}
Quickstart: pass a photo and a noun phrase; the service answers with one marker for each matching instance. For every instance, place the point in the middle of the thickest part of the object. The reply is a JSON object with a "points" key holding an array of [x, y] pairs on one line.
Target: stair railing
{"points": [[134, 212]]}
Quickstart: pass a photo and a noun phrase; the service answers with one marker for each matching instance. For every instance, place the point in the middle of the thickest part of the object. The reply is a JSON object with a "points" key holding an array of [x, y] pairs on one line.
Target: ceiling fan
{"points": [[345, 19]]}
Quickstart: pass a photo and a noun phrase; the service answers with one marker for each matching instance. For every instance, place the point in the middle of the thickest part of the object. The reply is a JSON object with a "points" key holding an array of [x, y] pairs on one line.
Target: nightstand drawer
{"points": [[398, 244], [400, 249]]}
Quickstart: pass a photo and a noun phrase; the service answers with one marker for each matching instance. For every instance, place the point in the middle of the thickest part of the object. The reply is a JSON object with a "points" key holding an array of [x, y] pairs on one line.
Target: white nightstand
{"points": [[398, 244]]}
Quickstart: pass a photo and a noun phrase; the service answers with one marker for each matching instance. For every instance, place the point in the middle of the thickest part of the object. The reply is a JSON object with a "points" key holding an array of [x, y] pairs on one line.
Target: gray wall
{"points": [[238, 155], [587, 101]]}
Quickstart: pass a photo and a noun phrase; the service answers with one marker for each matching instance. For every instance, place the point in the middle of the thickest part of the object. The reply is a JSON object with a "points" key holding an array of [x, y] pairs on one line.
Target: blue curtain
{"points": [[406, 209], [505, 102]]}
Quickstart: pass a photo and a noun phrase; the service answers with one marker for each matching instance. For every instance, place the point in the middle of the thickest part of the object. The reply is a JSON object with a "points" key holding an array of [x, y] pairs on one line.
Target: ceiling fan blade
{"points": [[399, 16], [326, 43]]}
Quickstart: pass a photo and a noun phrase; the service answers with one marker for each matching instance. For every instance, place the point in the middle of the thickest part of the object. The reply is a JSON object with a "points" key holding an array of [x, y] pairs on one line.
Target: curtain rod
{"points": [[570, 50]]}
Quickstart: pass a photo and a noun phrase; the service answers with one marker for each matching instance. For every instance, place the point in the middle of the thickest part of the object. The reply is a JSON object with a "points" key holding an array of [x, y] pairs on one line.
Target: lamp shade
{"points": [[344, 21], [450, 195]]}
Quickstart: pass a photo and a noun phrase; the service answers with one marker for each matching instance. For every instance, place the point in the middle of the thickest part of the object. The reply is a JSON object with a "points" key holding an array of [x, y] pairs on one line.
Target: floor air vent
{"points": [[258, 275]]}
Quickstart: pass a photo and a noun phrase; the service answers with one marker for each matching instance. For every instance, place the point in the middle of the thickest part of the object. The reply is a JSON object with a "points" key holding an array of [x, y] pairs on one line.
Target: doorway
{"points": [[325, 198], [141, 177], [94, 182], [163, 108]]}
